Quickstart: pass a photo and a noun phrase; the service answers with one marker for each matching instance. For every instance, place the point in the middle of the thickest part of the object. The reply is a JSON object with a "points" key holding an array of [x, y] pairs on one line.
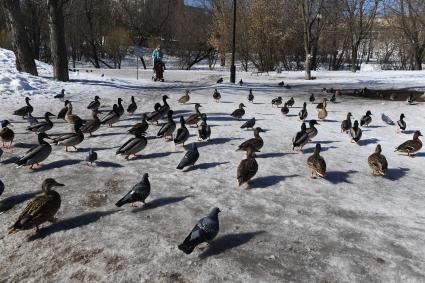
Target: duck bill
{"points": [[59, 184]]}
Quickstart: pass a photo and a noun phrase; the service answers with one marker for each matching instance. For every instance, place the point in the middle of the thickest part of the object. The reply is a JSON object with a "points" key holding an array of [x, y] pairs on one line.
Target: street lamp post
{"points": [[233, 67]]}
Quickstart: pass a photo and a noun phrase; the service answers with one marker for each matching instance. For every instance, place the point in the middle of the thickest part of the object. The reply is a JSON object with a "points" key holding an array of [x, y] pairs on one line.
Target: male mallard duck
{"points": [[24, 111], [248, 167], [411, 146], [316, 163], [133, 146], [249, 124], [72, 139], [216, 95], [250, 96], [185, 98], [190, 158], [168, 128], [301, 138], [139, 192], [323, 113], [182, 133], [321, 104], [155, 115], [204, 132], [346, 124], [41, 209], [95, 104], [256, 142], [6, 134], [91, 157], [69, 116], [366, 119], [44, 126], [238, 113], [277, 101], [60, 95], [290, 102], [303, 113], [92, 125], [285, 109], [120, 108], [355, 132], [62, 112], [312, 98], [132, 107], [112, 117], [37, 154], [164, 108], [312, 131], [141, 127], [401, 123], [194, 119], [377, 162]]}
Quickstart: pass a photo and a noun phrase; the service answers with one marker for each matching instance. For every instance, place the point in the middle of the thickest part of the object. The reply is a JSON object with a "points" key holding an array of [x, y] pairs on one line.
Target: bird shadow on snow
{"points": [[24, 145], [59, 164], [71, 223], [273, 154], [106, 135], [87, 149], [394, 174], [217, 141], [8, 203], [157, 155], [159, 202], [205, 166], [337, 177], [409, 132], [108, 164], [10, 160], [324, 148], [228, 242], [368, 141], [267, 181]]}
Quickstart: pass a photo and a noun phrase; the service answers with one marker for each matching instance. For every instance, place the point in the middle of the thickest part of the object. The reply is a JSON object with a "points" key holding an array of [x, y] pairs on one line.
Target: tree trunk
{"points": [[24, 56], [57, 40], [354, 50], [418, 60]]}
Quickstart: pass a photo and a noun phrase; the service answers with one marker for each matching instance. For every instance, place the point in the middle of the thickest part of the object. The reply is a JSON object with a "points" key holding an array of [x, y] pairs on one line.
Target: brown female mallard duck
{"points": [[62, 112], [141, 127], [285, 109], [44, 126], [92, 125], [111, 117], [185, 98], [321, 104], [323, 113], [41, 209], [216, 95], [95, 104], [317, 163], [248, 167], [204, 132], [238, 113], [194, 118], [6, 135], [378, 162], [256, 142], [72, 139], [346, 124], [69, 116], [411, 146], [24, 111], [303, 112]]}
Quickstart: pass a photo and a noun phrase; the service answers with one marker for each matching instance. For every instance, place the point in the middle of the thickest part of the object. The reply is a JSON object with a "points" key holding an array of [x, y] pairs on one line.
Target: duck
{"points": [[241, 82], [31, 119], [111, 117], [303, 113], [312, 131], [366, 119], [36, 154], [401, 123], [355, 132], [139, 192], [301, 138], [277, 101], [282, 83], [62, 112], [91, 125], [216, 95], [249, 124], [312, 98], [168, 128], [164, 108], [1, 187], [95, 104], [411, 99], [73, 139], [346, 124], [25, 110], [44, 126], [250, 96], [155, 115], [323, 113], [317, 163], [91, 157], [141, 127], [290, 102], [182, 134], [194, 119], [220, 80], [6, 134], [69, 116], [411, 146], [41, 209], [190, 157], [285, 109], [256, 142], [247, 167], [321, 104], [238, 113], [185, 98], [204, 132], [333, 98], [60, 95], [132, 107], [133, 146], [377, 162], [120, 108]]}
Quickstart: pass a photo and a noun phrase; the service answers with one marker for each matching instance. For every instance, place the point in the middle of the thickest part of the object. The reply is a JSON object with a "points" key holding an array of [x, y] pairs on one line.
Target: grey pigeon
{"points": [[139, 192], [91, 157], [31, 119], [282, 83], [249, 124], [387, 119], [60, 95], [189, 158], [220, 80], [204, 231], [1, 187]]}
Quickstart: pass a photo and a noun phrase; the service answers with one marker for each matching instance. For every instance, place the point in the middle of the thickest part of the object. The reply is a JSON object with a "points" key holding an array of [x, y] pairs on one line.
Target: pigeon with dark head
{"points": [[139, 192], [190, 158]]}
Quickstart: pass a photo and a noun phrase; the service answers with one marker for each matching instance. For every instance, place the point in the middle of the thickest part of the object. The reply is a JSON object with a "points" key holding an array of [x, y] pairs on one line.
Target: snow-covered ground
{"points": [[284, 227]]}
